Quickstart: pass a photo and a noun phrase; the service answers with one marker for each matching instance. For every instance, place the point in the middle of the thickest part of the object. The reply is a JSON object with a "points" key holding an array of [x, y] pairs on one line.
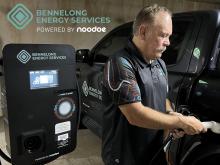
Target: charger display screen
{"points": [[43, 79]]}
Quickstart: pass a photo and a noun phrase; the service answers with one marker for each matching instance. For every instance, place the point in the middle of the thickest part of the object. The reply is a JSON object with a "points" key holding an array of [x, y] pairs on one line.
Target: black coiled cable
{"points": [[153, 160], [4, 156]]}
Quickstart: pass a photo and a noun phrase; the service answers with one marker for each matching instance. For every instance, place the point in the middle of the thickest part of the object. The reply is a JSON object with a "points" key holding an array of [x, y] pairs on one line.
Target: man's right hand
{"points": [[191, 125]]}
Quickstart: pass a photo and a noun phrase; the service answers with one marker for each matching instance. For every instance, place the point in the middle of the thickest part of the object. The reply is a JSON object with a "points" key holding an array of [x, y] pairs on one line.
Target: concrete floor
{"points": [[87, 152]]}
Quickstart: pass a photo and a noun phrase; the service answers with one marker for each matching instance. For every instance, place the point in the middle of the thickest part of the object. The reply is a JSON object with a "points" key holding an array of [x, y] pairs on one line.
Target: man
{"points": [[134, 94]]}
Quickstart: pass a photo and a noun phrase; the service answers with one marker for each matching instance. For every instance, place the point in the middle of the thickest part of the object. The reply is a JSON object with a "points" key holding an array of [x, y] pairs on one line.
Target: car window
{"points": [[113, 43], [180, 32], [117, 40], [217, 53]]}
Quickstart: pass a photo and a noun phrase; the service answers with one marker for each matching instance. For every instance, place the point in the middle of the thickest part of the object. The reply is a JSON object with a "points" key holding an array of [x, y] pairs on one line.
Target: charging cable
{"points": [[212, 125], [4, 156], [164, 145]]}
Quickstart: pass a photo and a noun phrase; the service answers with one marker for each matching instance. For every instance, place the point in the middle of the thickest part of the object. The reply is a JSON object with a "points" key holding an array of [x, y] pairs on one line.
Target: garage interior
{"points": [[88, 148]]}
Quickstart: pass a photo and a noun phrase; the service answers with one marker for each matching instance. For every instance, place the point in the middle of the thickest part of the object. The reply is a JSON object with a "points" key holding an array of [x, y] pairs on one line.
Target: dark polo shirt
{"points": [[128, 78]]}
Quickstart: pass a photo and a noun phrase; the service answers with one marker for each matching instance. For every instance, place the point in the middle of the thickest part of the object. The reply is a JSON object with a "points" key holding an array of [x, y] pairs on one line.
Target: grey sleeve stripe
{"points": [[119, 86]]}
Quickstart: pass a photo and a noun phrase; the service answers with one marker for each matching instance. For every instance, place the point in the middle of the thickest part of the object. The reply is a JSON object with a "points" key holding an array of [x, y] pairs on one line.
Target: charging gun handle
{"points": [[208, 124]]}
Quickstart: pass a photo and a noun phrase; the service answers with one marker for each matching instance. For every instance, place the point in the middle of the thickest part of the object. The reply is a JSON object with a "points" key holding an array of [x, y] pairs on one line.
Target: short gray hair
{"points": [[147, 15]]}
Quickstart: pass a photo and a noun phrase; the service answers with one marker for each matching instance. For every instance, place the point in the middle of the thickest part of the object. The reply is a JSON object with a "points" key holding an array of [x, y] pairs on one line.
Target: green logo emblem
{"points": [[24, 56], [20, 16], [196, 53]]}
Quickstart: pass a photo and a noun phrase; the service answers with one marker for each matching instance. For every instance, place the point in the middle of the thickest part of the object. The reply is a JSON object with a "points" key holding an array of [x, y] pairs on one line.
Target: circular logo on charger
{"points": [[85, 88], [64, 108]]}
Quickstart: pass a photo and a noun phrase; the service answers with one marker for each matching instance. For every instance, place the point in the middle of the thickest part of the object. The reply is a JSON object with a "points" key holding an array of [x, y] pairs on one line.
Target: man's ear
{"points": [[142, 31]]}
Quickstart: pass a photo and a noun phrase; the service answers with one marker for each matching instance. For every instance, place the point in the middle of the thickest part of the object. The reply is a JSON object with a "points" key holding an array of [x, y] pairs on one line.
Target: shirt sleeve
{"points": [[120, 81]]}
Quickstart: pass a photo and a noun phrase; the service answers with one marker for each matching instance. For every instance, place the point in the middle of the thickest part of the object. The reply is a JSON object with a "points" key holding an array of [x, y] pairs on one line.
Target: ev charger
{"points": [[39, 101]]}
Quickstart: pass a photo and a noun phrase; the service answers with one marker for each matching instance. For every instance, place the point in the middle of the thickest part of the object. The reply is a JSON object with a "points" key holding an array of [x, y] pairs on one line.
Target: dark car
{"points": [[193, 67]]}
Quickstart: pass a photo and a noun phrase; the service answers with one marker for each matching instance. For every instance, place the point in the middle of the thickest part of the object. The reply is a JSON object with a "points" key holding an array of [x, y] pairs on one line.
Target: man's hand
{"points": [[191, 125], [176, 133]]}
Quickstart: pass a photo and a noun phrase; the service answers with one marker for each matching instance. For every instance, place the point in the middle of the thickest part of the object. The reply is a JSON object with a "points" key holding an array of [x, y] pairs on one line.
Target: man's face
{"points": [[157, 36]]}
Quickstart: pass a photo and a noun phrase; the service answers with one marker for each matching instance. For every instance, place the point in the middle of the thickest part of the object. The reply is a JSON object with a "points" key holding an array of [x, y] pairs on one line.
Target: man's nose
{"points": [[167, 42]]}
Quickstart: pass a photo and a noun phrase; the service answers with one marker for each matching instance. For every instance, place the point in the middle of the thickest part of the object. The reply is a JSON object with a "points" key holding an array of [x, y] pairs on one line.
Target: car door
{"points": [[91, 74], [178, 55]]}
